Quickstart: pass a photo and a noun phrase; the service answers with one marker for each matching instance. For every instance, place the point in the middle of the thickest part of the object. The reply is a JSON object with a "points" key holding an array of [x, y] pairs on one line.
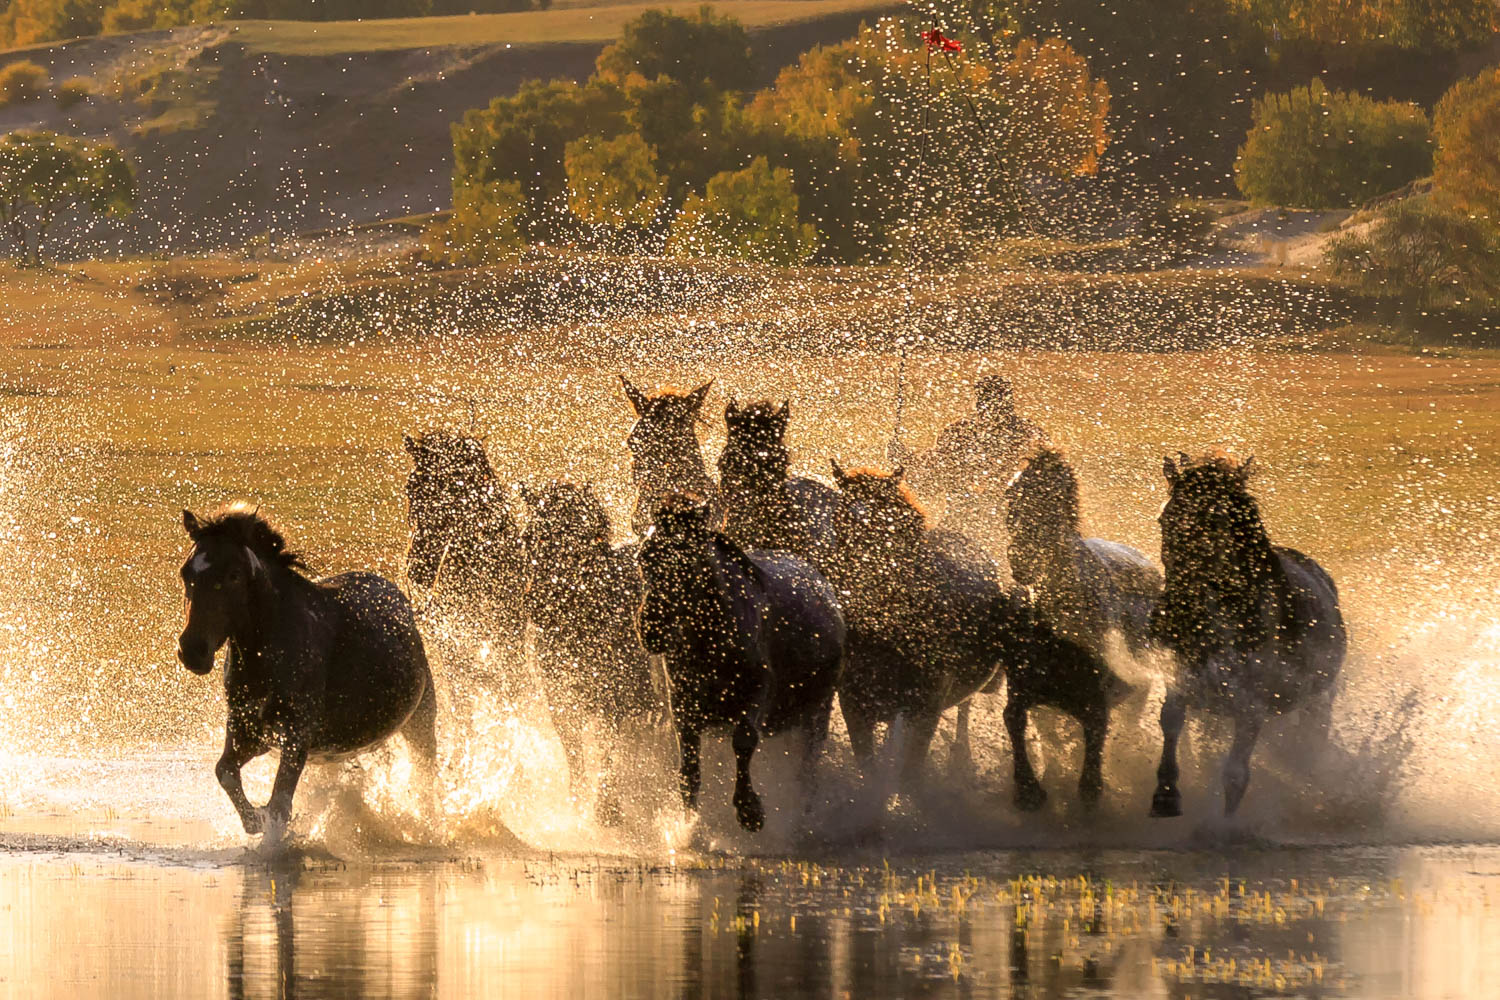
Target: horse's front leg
{"points": [[920, 728], [814, 735], [1167, 799], [1029, 792], [239, 749], [961, 756], [747, 805], [1237, 764], [690, 775], [607, 808], [293, 759], [1095, 721]]}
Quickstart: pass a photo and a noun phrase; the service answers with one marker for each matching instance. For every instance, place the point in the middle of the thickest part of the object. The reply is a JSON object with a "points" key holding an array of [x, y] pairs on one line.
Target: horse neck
{"points": [[706, 605], [674, 466], [1048, 554], [278, 598], [1239, 605]]}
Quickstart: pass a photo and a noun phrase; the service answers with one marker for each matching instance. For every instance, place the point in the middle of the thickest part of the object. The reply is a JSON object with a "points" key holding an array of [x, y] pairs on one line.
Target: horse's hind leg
{"points": [[1166, 801], [1029, 792], [1237, 764], [961, 755], [814, 735], [607, 809], [921, 727], [420, 733], [690, 773], [1095, 721], [861, 726], [747, 805]]}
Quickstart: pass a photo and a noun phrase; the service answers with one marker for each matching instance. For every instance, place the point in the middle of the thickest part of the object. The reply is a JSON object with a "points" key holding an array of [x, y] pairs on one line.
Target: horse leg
{"points": [[1237, 764], [239, 750], [814, 735], [278, 811], [921, 727], [420, 732], [1095, 721], [752, 815], [861, 726], [961, 756], [690, 776], [1167, 799], [607, 808], [1029, 792]]}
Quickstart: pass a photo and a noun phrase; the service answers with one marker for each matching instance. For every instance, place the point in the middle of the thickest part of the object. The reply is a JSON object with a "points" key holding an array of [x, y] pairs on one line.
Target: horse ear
{"points": [[1248, 468], [838, 472], [410, 444], [784, 415], [190, 523], [530, 497], [897, 473], [638, 399], [1169, 469], [698, 395], [731, 410]]}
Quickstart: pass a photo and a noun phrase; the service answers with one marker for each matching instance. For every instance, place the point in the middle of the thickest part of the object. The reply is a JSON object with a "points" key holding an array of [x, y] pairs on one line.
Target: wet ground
{"points": [[1251, 922]]}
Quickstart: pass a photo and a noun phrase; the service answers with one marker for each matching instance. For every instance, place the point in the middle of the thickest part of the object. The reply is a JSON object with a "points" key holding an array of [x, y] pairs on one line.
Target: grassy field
{"points": [[592, 23]]}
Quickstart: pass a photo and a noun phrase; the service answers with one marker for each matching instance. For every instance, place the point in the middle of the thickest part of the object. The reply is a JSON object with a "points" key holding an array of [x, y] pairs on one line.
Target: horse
{"points": [[581, 598], [465, 549], [665, 457], [316, 669], [764, 506], [930, 625], [753, 641], [1256, 628]]}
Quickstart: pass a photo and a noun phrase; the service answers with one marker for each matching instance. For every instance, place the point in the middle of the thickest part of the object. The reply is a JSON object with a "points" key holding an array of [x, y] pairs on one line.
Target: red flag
{"points": [[936, 40]]}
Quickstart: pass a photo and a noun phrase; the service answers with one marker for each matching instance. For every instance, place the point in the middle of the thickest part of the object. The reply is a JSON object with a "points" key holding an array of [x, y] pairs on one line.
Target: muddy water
{"points": [[1244, 923]]}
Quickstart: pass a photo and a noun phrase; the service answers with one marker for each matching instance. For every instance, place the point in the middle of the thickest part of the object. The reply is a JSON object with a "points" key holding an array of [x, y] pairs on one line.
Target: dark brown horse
{"points": [[582, 594], [665, 457], [753, 643], [1256, 628], [466, 554], [316, 669], [765, 507]]}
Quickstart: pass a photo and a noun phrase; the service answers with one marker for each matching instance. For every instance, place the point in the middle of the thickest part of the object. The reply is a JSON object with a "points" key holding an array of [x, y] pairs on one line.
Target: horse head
{"points": [[755, 454], [1041, 509], [564, 518], [877, 516], [234, 554], [451, 493], [663, 443]]}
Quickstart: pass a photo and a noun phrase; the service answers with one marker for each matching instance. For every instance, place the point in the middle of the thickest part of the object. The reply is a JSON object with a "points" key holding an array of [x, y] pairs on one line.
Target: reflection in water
{"points": [[1368, 924]]}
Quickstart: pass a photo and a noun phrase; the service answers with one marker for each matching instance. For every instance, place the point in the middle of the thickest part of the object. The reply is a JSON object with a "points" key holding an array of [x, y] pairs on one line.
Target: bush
{"points": [[1316, 148], [749, 213], [22, 81], [1425, 254], [484, 227], [1466, 173], [74, 90], [613, 183]]}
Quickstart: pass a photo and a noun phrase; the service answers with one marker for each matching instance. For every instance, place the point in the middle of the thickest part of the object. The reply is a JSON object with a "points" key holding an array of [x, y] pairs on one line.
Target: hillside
{"points": [[240, 128]]}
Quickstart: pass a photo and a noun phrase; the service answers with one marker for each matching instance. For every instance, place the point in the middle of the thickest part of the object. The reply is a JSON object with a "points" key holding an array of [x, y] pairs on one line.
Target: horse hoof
{"points": [[1166, 803], [1030, 798], [254, 822], [751, 814], [1090, 797]]}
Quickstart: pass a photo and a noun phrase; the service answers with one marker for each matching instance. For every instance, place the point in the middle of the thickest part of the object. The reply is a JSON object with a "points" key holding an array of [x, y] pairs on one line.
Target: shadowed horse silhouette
{"points": [[764, 506], [753, 642], [1256, 627], [930, 625], [665, 457], [316, 669], [582, 595], [466, 552]]}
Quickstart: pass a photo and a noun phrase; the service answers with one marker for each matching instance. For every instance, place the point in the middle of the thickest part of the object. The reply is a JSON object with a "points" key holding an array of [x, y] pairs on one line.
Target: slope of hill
{"points": [[238, 129]]}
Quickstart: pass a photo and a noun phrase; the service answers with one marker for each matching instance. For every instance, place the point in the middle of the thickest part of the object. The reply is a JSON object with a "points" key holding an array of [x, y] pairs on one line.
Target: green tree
{"points": [[749, 213], [1316, 148], [613, 183], [484, 227], [44, 176], [1421, 254], [1466, 124], [523, 139]]}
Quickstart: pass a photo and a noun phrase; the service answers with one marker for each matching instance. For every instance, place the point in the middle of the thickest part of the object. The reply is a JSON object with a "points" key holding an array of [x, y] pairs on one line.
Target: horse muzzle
{"points": [[196, 657]]}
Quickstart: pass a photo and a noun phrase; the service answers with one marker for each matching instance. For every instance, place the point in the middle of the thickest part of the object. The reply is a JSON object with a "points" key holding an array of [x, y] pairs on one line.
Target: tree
{"points": [[613, 183], [523, 139], [1316, 148], [1414, 24], [1466, 124], [22, 81], [44, 176], [26, 22], [749, 213], [1422, 254], [484, 227]]}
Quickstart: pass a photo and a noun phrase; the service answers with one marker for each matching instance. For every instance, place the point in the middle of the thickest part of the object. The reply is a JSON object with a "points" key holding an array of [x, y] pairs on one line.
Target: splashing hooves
{"points": [[1166, 803]]}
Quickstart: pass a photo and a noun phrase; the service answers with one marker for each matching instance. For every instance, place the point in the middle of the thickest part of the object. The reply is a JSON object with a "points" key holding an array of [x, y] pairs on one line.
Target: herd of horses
{"points": [[751, 602]]}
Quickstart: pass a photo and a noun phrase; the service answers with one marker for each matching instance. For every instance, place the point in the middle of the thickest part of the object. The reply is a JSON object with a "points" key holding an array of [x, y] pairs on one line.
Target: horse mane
{"points": [[1045, 491], [242, 524]]}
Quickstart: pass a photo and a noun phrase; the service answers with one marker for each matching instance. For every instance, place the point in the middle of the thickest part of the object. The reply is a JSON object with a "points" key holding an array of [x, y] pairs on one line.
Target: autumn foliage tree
{"points": [[1417, 24], [613, 185], [1466, 124], [750, 214]]}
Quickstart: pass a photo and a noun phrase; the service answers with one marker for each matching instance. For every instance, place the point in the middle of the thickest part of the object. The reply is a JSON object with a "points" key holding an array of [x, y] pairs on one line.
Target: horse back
{"points": [[1312, 614], [802, 633], [815, 504]]}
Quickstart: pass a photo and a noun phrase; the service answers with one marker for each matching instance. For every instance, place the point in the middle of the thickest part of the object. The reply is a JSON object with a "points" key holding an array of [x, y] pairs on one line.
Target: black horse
{"points": [[753, 642], [1256, 628], [582, 595], [930, 625], [765, 507], [665, 457], [316, 668], [466, 552]]}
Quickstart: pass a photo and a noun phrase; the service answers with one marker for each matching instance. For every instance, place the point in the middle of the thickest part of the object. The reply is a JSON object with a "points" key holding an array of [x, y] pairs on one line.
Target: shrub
{"points": [[613, 183], [22, 81], [74, 90], [1466, 173], [1316, 148], [749, 213], [484, 227], [1425, 254]]}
